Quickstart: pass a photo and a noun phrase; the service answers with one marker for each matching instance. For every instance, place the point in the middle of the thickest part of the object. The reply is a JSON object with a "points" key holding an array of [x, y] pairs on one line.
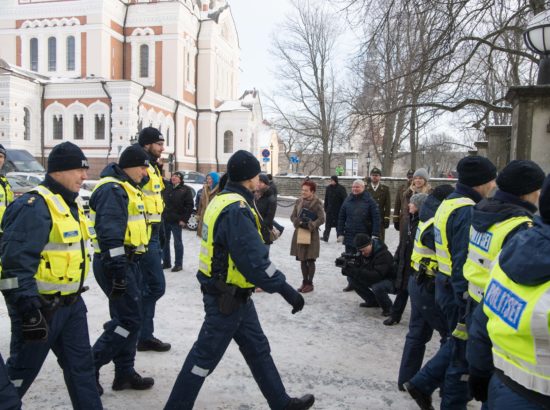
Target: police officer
{"points": [[476, 180], [118, 213], [154, 283], [44, 249], [516, 302], [494, 222], [381, 195], [230, 266], [8, 394], [426, 316]]}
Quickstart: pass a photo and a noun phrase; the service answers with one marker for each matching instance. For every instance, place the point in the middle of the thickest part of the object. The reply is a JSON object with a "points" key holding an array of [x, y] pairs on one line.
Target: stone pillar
{"points": [[498, 139], [481, 147], [530, 124]]}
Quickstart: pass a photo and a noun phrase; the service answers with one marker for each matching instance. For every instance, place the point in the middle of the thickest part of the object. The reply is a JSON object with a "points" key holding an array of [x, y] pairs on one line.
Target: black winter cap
{"points": [[133, 156], [242, 166], [66, 156], [334, 178], [361, 240], [520, 177], [475, 170], [149, 135], [2, 150], [441, 192], [544, 201], [264, 179]]}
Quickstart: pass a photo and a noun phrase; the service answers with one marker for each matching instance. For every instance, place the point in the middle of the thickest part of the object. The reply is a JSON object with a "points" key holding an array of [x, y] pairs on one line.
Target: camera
{"points": [[348, 260]]}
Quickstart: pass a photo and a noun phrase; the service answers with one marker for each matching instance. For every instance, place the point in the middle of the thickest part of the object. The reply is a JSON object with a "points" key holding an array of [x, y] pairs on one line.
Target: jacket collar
{"points": [[68, 196], [506, 197], [465, 190], [241, 190]]}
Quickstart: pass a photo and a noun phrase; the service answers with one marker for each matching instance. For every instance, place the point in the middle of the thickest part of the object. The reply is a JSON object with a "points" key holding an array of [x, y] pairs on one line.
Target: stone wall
{"points": [[291, 186]]}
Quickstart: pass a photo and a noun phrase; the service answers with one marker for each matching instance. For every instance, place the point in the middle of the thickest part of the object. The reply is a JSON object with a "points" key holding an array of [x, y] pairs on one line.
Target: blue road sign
{"points": [[265, 159], [266, 153]]}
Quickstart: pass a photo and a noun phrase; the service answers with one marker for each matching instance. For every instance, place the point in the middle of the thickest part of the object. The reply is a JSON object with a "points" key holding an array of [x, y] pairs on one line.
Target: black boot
{"points": [[302, 403], [153, 344], [423, 400], [132, 381]]}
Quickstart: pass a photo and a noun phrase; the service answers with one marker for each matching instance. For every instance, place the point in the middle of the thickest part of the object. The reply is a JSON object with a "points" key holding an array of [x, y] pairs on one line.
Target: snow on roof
{"points": [[232, 105]]}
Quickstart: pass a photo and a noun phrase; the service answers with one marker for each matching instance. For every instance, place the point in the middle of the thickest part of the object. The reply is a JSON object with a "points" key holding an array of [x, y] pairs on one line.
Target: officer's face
{"points": [[155, 149], [136, 174], [532, 197], [252, 184], [375, 178], [357, 189], [71, 179], [486, 189], [2, 160]]}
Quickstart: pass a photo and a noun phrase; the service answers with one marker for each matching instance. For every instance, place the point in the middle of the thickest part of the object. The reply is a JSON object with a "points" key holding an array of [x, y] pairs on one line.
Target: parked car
{"points": [[35, 178], [19, 185], [21, 160], [193, 177]]}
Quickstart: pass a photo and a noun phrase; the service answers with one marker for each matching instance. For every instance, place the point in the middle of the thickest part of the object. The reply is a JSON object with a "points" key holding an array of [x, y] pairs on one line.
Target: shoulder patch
{"points": [[31, 200], [242, 204], [529, 224]]}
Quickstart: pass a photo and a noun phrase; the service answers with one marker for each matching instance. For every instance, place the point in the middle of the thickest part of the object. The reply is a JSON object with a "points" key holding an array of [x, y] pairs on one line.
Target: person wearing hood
{"points": [[154, 283], [426, 316], [359, 214], [495, 222], [452, 221], [118, 212], [44, 266], [516, 305], [233, 260], [372, 274], [207, 193], [335, 195]]}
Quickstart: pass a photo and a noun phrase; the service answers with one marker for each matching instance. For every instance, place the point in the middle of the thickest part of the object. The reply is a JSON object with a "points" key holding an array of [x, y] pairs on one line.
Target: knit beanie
{"points": [[422, 173], [242, 166], [520, 177], [418, 200], [66, 156], [264, 179], [215, 178], [179, 175], [133, 156], [544, 201], [334, 178], [475, 170], [2, 150], [441, 192], [361, 240], [149, 135]]}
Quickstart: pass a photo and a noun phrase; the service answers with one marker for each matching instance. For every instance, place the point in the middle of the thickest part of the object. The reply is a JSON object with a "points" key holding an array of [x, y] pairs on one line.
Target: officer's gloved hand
{"points": [[479, 387], [396, 225], [34, 327], [292, 297], [340, 239], [119, 288]]}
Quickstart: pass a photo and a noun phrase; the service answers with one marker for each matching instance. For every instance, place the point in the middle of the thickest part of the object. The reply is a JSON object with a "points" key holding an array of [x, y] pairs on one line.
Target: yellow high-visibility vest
{"points": [[6, 195], [152, 195], [421, 254]]}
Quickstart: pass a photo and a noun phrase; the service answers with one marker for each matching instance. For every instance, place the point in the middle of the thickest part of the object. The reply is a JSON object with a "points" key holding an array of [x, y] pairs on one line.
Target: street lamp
{"points": [[271, 150], [537, 39], [368, 163]]}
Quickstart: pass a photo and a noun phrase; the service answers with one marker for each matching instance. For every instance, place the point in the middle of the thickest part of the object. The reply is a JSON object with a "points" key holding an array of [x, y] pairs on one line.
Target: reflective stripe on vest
{"points": [[519, 330], [421, 254], [137, 231], [152, 195], [444, 262], [6, 195], [213, 211], [482, 251], [65, 257]]}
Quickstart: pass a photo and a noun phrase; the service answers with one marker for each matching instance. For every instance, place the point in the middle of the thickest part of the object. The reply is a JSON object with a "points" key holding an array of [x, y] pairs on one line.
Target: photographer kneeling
{"points": [[370, 271]]}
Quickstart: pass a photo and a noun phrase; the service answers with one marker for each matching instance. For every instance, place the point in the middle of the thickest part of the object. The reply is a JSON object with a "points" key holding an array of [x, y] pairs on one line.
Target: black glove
{"points": [[119, 288], [386, 223], [34, 327], [304, 224], [396, 225], [293, 298], [479, 387]]}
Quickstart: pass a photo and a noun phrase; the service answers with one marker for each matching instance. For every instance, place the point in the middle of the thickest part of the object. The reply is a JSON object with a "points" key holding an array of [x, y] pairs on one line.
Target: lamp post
{"points": [[368, 163], [271, 150], [537, 39]]}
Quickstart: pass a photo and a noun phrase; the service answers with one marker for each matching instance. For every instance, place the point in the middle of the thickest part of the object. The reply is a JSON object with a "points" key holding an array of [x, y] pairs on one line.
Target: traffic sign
{"points": [[294, 159], [266, 153], [265, 159]]}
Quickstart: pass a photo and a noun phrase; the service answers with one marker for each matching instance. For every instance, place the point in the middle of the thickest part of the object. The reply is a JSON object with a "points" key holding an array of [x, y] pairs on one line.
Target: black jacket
{"points": [[266, 205], [404, 251], [178, 201], [359, 214], [335, 195], [378, 266]]}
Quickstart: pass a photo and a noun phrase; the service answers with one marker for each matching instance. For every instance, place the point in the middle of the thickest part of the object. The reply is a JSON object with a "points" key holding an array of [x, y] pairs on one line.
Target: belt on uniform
{"points": [[240, 293]]}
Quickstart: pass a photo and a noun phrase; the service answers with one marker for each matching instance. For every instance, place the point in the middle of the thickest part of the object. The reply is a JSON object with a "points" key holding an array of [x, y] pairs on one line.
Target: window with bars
{"points": [[27, 123], [34, 54], [78, 127], [144, 61], [99, 122], [52, 54], [57, 127], [70, 53]]}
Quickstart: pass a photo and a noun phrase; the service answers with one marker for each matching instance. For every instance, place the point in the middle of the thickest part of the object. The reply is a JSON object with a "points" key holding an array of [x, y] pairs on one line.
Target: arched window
{"points": [[52, 54], [144, 61], [34, 54], [78, 127], [99, 122], [70, 53], [57, 127], [228, 142], [27, 123]]}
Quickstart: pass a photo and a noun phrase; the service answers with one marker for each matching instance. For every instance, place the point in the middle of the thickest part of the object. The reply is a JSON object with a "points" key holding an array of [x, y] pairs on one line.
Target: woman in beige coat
{"points": [[308, 214]]}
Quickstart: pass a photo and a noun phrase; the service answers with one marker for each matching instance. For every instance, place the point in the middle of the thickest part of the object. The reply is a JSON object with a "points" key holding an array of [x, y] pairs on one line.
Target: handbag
{"points": [[303, 237]]}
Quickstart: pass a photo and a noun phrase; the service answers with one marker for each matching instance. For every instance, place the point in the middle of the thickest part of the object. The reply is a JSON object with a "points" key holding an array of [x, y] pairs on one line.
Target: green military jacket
{"points": [[382, 198]]}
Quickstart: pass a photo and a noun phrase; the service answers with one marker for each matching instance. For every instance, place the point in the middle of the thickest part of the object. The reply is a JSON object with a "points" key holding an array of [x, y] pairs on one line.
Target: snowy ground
{"points": [[333, 348]]}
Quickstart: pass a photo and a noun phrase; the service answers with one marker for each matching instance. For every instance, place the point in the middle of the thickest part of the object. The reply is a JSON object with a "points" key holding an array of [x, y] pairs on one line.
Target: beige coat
{"points": [[311, 251]]}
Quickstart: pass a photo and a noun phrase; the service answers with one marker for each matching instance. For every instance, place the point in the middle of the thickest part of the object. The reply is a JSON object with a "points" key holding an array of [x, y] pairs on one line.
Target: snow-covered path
{"points": [[333, 348]]}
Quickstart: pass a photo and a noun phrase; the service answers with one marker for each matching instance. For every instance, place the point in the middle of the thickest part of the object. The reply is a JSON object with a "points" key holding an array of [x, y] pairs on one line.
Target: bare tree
{"points": [[306, 101]]}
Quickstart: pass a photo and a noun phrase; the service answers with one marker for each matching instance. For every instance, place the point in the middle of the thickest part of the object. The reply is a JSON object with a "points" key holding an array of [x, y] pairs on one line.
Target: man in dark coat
{"points": [[381, 194], [397, 207], [178, 205], [265, 201], [335, 195]]}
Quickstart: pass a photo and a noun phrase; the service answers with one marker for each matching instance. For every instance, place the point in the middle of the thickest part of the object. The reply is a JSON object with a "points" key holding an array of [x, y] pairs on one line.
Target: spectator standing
{"points": [[359, 214], [403, 256], [335, 195], [266, 206], [381, 194], [339, 170], [397, 208], [307, 214], [207, 193], [178, 202]]}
